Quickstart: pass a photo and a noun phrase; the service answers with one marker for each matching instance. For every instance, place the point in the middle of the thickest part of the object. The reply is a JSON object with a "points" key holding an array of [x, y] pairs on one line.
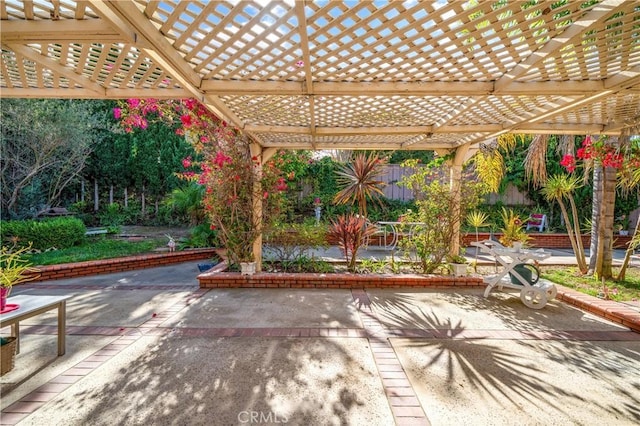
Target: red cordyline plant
{"points": [[351, 232], [234, 181]]}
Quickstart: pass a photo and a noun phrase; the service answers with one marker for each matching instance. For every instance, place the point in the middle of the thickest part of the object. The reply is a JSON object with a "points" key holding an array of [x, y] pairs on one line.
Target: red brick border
{"points": [[608, 309], [106, 266], [548, 240], [216, 278]]}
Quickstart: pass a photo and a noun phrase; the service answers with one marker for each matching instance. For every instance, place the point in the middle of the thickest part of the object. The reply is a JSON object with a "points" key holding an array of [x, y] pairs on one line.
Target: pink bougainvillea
{"points": [[225, 167]]}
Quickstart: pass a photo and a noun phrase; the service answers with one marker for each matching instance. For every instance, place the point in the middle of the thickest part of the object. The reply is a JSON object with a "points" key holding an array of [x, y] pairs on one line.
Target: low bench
{"points": [[96, 231]]}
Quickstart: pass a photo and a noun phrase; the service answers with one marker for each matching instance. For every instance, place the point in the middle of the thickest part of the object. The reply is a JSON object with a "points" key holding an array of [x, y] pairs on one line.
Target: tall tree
{"points": [[45, 144]]}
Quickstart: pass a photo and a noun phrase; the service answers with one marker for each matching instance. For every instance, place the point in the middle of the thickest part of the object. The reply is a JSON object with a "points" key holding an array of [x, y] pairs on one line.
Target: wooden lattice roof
{"points": [[431, 74]]}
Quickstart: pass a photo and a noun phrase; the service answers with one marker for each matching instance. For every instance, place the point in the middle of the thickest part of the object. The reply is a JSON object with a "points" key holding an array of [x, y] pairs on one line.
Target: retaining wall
{"points": [[105, 266]]}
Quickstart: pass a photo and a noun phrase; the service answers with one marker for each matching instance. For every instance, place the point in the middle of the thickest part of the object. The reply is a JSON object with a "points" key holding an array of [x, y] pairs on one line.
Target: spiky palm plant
{"points": [[351, 232], [558, 188], [360, 182], [477, 219], [513, 230]]}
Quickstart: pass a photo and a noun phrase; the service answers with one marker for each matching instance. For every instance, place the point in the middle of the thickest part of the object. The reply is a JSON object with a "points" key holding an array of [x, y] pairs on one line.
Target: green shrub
{"points": [[84, 211], [201, 236], [113, 215], [60, 233], [294, 242]]}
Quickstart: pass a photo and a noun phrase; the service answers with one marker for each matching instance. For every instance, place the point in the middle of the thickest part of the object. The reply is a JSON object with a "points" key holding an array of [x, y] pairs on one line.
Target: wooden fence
{"points": [[394, 173]]}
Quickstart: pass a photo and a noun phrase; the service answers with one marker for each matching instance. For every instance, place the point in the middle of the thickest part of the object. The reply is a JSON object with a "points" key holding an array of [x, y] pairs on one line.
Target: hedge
{"points": [[59, 232]]}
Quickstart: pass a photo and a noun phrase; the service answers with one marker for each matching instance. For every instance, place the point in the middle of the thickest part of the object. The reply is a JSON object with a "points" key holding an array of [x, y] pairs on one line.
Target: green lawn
{"points": [[94, 249], [568, 276]]}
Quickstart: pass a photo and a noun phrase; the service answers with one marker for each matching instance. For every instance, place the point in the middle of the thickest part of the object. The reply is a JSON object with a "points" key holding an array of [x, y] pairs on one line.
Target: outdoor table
{"points": [[31, 306], [394, 230], [534, 295]]}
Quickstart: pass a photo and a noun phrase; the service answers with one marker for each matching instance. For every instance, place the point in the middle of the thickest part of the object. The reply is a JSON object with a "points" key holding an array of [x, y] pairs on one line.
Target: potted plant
{"points": [[513, 231], [457, 265], [622, 225], [14, 269]]}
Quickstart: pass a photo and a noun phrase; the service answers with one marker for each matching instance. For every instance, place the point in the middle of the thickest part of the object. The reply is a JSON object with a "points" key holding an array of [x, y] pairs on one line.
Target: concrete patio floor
{"points": [[149, 347]]}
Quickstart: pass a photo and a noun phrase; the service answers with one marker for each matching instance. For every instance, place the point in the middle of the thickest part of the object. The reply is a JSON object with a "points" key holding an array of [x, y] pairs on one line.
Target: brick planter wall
{"points": [[217, 278], [105, 266], [546, 240], [538, 240]]}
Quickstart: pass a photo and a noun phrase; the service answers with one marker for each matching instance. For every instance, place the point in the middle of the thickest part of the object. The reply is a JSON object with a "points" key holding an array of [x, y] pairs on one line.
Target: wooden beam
{"points": [[546, 128], [234, 87], [62, 31], [149, 37], [435, 88], [339, 131], [304, 45], [76, 93], [454, 88], [340, 145]]}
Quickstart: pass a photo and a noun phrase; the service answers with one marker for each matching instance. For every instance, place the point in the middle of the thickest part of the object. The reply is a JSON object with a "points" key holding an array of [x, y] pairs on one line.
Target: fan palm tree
{"points": [[188, 200], [360, 181]]}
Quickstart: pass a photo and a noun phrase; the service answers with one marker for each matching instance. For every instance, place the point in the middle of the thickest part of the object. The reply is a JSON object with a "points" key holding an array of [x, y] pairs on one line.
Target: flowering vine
{"points": [[607, 154], [236, 184]]}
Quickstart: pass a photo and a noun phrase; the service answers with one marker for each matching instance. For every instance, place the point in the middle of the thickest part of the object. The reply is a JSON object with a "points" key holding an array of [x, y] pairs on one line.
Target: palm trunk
{"points": [[595, 216], [580, 257], [628, 253], [605, 230], [581, 264]]}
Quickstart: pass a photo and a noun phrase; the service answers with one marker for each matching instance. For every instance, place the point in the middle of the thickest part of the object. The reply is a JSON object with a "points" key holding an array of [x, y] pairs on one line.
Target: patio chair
{"points": [[537, 221]]}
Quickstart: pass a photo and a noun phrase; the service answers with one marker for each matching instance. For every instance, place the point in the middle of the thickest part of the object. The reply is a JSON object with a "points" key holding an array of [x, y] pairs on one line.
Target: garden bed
{"points": [[106, 266], [218, 277]]}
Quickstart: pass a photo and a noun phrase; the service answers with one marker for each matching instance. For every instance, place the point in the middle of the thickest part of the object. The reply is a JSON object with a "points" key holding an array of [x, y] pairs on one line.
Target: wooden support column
{"points": [[455, 184], [256, 151], [264, 155]]}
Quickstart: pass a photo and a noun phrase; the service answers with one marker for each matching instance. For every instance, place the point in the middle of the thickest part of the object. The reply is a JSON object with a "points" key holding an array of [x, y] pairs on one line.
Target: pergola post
{"points": [[263, 155], [455, 182]]}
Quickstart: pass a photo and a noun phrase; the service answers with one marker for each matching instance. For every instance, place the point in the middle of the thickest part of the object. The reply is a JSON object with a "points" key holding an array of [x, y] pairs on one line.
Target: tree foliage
{"points": [[45, 145], [440, 210]]}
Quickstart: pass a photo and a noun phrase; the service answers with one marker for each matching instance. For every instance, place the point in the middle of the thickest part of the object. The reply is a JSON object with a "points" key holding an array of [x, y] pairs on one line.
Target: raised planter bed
{"points": [[548, 240], [217, 277], [106, 266]]}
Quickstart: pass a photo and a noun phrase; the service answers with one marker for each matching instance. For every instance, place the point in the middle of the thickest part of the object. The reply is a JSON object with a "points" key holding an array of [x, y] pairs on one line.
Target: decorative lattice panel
{"points": [[610, 110], [315, 72]]}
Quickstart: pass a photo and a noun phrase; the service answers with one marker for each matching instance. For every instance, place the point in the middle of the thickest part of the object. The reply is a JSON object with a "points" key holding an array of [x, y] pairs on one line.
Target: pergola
{"points": [[414, 75]]}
